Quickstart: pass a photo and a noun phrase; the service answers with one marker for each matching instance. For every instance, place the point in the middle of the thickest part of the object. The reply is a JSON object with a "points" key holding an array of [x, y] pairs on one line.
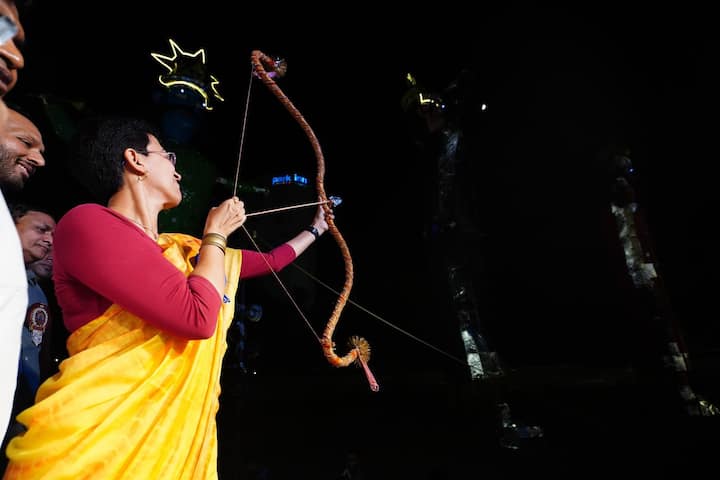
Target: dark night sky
{"points": [[563, 85]]}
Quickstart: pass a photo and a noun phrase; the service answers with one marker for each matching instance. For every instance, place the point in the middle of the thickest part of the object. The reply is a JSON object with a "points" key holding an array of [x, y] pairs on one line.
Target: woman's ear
{"points": [[134, 162]]}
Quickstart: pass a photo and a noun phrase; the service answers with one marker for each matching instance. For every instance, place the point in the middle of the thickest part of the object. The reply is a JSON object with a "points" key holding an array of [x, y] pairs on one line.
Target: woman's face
{"points": [[161, 174]]}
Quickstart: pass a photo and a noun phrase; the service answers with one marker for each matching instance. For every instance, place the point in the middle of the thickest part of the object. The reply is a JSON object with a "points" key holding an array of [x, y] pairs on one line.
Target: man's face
{"points": [[21, 151], [36, 235], [11, 59]]}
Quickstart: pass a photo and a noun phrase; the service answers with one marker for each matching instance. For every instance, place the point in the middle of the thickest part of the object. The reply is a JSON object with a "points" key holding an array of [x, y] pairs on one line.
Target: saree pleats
{"points": [[130, 401]]}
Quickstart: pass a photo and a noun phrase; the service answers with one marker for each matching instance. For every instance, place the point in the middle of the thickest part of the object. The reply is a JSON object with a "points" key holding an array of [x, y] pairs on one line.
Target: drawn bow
{"points": [[360, 348]]}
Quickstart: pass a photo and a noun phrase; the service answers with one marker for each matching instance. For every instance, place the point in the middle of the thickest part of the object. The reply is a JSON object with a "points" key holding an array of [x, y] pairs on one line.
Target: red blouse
{"points": [[101, 258]]}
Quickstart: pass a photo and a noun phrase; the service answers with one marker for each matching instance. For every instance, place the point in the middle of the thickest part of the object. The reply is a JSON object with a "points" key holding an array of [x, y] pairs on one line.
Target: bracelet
{"points": [[215, 239], [313, 230], [212, 242]]}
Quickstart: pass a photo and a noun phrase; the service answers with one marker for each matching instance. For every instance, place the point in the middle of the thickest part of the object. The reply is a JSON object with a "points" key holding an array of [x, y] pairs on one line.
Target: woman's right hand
{"points": [[226, 217]]}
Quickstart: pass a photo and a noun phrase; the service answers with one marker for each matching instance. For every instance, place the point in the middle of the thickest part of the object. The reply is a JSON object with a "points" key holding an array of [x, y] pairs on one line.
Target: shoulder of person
{"points": [[85, 212], [91, 218]]}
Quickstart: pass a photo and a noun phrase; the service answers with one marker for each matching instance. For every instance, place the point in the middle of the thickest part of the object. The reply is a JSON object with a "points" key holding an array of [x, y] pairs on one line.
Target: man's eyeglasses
{"points": [[169, 155]]}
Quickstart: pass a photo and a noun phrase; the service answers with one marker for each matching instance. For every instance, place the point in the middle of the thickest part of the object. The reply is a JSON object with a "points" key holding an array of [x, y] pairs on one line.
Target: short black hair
{"points": [[96, 151], [19, 210]]}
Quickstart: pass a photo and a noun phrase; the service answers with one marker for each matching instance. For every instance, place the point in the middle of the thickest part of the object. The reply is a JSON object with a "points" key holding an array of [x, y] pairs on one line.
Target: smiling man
{"points": [[21, 151], [13, 289]]}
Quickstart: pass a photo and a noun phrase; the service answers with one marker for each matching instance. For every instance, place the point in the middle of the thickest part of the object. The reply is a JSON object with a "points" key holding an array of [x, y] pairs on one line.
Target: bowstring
{"points": [[282, 285], [252, 240], [307, 273], [242, 131]]}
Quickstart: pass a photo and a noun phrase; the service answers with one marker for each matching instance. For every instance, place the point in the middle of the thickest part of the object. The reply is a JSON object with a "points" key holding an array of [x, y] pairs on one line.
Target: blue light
{"points": [[293, 179]]}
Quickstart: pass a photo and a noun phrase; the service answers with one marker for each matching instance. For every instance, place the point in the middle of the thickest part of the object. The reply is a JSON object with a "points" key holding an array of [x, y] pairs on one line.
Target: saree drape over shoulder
{"points": [[131, 401]]}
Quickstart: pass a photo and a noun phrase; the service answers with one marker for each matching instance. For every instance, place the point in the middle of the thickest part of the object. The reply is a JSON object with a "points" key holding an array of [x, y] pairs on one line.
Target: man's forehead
{"points": [[18, 122], [36, 216], [15, 117]]}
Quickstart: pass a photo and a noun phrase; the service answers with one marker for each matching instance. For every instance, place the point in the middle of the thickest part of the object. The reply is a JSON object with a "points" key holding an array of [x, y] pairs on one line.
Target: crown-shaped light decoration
{"points": [[188, 70]]}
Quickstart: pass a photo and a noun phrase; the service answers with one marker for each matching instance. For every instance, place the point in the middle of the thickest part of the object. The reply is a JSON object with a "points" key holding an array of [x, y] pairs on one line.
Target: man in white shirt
{"points": [[13, 303], [13, 283]]}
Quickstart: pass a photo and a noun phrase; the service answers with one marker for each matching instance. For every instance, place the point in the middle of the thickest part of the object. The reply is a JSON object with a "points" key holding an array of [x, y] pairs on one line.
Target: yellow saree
{"points": [[131, 401]]}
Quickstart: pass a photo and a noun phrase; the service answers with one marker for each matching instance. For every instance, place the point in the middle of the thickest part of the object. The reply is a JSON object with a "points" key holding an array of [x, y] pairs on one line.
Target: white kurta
{"points": [[13, 304]]}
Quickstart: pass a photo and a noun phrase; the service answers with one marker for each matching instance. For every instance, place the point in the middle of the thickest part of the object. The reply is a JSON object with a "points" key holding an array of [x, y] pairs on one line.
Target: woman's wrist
{"points": [[215, 239], [313, 230]]}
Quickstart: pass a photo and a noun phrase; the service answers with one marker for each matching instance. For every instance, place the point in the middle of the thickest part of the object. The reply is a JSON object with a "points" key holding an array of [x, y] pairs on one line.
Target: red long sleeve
{"points": [[278, 258], [102, 258]]}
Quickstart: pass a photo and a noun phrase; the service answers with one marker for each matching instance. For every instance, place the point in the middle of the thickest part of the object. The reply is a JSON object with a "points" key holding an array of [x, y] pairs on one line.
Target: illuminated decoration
{"points": [[454, 238], [641, 264], [188, 70], [293, 179], [417, 97]]}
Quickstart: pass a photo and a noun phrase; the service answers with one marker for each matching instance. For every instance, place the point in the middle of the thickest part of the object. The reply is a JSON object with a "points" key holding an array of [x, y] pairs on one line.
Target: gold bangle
{"points": [[216, 236], [214, 243], [215, 239]]}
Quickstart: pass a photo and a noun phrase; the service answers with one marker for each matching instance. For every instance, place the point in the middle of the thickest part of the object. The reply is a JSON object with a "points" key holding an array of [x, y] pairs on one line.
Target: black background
{"points": [[564, 86]]}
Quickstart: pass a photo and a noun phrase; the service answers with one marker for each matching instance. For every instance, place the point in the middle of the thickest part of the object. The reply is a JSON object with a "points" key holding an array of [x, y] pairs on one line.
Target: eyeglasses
{"points": [[169, 155]]}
